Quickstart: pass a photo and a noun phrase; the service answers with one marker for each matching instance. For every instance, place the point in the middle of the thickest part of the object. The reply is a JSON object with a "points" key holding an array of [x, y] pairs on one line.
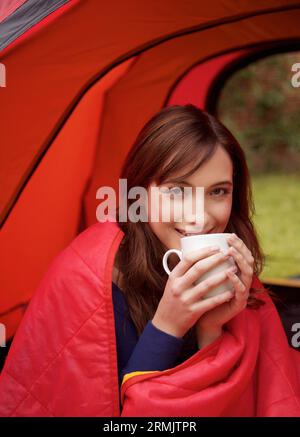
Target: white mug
{"points": [[196, 242]]}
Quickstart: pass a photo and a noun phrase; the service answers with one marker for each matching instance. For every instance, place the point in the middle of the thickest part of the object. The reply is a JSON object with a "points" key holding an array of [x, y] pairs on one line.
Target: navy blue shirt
{"points": [[152, 350]]}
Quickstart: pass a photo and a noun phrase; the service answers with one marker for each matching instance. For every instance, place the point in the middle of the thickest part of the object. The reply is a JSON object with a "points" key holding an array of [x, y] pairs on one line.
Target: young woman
{"points": [[184, 144], [111, 332]]}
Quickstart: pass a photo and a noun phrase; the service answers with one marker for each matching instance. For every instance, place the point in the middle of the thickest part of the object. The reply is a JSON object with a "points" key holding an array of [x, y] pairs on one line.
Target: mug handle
{"points": [[166, 256]]}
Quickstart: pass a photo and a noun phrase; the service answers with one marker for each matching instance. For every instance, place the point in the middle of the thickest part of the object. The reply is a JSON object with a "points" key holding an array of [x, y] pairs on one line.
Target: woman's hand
{"points": [[181, 305], [209, 326]]}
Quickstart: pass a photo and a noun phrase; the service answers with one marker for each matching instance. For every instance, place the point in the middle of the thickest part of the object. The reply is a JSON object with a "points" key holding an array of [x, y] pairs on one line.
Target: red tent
{"points": [[82, 77]]}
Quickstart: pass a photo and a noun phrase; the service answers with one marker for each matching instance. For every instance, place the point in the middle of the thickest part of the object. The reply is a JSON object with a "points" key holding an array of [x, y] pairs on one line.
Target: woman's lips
{"points": [[179, 233], [187, 234]]}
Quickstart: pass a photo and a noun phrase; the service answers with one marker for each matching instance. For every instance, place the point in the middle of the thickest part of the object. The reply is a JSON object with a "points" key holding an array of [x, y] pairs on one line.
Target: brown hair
{"points": [[172, 140]]}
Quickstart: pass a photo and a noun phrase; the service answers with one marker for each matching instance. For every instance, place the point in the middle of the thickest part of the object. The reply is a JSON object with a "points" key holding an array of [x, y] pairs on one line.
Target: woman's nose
{"points": [[194, 213], [194, 220], [199, 222]]}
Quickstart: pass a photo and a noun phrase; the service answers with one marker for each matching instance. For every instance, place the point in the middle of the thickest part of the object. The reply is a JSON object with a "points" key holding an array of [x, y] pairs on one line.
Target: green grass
{"points": [[277, 220]]}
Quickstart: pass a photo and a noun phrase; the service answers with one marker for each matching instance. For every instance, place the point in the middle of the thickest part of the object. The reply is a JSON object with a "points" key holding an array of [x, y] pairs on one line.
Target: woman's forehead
{"points": [[217, 168]]}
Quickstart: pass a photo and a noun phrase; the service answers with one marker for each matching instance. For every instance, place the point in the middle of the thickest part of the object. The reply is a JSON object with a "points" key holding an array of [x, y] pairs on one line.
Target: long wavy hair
{"points": [[176, 138]]}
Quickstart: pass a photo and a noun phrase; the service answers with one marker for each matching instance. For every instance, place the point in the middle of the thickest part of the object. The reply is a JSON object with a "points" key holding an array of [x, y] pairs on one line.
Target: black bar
{"points": [[138, 426]]}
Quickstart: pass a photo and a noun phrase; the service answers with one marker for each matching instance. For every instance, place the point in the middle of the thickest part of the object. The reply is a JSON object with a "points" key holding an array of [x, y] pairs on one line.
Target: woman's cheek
{"points": [[226, 211], [221, 211]]}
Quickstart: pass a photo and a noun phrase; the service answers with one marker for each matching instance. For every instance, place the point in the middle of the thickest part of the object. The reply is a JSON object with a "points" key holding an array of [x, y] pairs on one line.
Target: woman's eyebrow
{"points": [[178, 181], [221, 183], [187, 183]]}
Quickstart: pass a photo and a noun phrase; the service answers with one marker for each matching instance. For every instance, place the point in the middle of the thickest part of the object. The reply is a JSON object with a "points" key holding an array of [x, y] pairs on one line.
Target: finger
{"points": [[241, 247], [200, 267], [192, 257], [245, 268], [200, 290], [240, 289], [212, 302]]}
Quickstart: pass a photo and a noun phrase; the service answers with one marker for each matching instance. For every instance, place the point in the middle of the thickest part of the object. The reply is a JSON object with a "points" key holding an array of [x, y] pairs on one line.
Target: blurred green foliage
{"points": [[262, 108]]}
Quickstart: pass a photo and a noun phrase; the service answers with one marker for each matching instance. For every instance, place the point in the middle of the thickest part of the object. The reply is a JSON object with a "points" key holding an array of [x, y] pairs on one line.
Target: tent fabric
{"points": [[63, 360], [49, 73], [194, 85], [7, 7], [70, 160], [26, 16]]}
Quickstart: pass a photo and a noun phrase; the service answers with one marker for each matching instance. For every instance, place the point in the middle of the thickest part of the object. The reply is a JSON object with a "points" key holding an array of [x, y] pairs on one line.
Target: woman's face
{"points": [[215, 176]]}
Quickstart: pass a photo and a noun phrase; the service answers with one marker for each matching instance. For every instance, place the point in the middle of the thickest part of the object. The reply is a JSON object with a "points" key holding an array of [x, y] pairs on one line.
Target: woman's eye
{"points": [[219, 192], [176, 191]]}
